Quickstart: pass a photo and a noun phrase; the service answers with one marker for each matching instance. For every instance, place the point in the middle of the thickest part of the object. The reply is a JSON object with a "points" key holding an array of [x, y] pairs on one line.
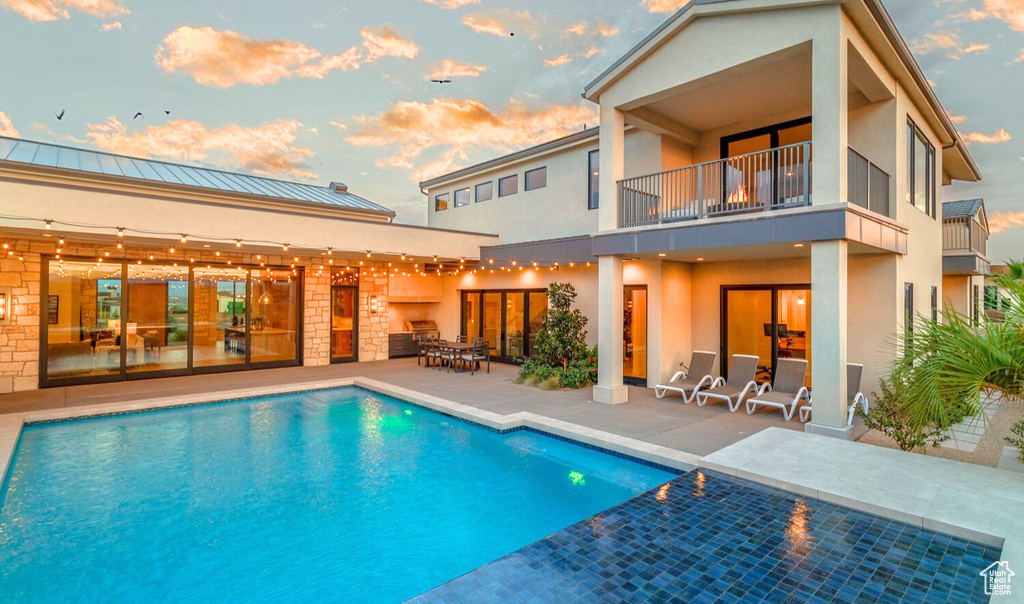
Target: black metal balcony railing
{"points": [[766, 180], [867, 184]]}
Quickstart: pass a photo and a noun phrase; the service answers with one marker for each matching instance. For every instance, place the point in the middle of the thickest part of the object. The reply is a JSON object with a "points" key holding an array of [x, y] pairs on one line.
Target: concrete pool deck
{"points": [[968, 501]]}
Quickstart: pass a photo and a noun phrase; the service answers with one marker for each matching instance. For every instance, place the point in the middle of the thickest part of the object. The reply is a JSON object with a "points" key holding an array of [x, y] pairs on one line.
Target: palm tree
{"points": [[947, 365]]}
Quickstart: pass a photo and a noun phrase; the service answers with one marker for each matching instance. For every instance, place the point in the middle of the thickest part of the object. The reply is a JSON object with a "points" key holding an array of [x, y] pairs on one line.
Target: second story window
{"points": [[484, 191], [441, 202], [462, 197], [536, 179], [508, 185], [921, 165], [593, 178]]}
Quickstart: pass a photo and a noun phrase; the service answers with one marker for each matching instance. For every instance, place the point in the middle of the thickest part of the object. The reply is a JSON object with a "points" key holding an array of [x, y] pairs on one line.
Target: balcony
{"points": [[868, 185], [756, 182], [964, 236]]}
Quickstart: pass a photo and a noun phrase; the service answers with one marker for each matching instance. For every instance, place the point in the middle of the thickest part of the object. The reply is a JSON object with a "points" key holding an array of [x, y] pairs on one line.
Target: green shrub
{"points": [[1018, 430], [888, 415], [561, 358], [551, 383]]}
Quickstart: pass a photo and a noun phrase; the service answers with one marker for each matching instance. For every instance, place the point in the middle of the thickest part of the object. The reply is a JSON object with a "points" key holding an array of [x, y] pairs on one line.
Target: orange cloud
{"points": [[1009, 11], [265, 149], [386, 43], [7, 127], [605, 30], [601, 29], [485, 25], [956, 118], [225, 58], [949, 42], [451, 3], [557, 61], [665, 6], [453, 69], [414, 127], [981, 138], [111, 26], [445, 164], [53, 10], [1005, 220]]}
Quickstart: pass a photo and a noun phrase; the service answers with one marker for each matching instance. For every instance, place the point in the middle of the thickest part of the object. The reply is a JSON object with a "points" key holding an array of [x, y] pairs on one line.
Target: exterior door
{"points": [[507, 320], [634, 334], [344, 332], [769, 321]]}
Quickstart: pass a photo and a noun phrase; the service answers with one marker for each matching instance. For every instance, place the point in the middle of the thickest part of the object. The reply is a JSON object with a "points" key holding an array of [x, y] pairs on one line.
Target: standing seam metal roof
{"points": [[99, 162]]}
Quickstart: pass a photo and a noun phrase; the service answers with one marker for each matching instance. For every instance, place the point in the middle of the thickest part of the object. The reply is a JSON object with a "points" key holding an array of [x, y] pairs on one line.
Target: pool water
{"points": [[340, 495]]}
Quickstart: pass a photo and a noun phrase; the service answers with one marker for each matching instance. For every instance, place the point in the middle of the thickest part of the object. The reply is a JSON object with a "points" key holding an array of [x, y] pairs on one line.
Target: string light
{"points": [[120, 231], [60, 240], [284, 247], [184, 238], [238, 243], [48, 225]]}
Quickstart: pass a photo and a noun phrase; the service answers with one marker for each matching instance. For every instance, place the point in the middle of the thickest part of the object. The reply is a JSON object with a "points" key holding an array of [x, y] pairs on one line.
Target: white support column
{"points": [[829, 90], [829, 338], [612, 143], [609, 389]]}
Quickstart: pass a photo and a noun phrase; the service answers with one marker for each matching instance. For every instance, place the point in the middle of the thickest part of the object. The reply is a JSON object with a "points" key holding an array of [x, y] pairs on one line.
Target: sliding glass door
{"points": [[771, 321], [108, 321], [508, 320]]}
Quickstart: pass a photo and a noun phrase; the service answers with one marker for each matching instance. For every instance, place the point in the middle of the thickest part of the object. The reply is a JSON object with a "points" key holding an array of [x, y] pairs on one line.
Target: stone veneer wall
{"points": [[373, 328], [316, 322], [19, 340]]}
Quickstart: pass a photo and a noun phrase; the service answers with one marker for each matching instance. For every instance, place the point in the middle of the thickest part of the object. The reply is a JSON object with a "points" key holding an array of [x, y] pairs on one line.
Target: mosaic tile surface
{"points": [[706, 537]]}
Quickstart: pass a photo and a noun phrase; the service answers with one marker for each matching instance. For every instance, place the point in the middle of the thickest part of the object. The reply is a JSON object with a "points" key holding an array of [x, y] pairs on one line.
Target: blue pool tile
{"points": [[709, 538]]}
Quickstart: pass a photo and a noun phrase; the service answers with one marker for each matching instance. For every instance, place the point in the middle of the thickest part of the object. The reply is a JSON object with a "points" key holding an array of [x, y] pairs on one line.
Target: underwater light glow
{"points": [[577, 478]]}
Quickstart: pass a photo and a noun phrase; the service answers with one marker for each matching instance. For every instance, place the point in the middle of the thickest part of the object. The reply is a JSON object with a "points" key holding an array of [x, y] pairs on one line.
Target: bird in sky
{"points": [[60, 115], [441, 81], [166, 112], [138, 115], [511, 33]]}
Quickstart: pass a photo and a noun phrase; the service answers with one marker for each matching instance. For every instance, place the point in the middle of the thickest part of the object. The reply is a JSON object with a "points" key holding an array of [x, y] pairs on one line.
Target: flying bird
{"points": [[138, 115], [60, 115], [511, 33], [441, 81], [166, 112]]}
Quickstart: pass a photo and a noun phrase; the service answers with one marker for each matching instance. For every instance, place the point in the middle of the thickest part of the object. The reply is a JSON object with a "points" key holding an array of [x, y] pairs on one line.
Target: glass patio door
{"points": [[492, 321], [343, 323], [771, 322], [634, 334], [508, 320], [515, 319]]}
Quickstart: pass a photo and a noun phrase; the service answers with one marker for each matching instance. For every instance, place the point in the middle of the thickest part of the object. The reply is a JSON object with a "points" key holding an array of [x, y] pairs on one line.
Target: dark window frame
{"points": [[438, 200], [935, 303], [455, 198], [526, 178], [915, 134], [593, 202], [908, 315], [502, 335], [511, 178], [476, 191]]}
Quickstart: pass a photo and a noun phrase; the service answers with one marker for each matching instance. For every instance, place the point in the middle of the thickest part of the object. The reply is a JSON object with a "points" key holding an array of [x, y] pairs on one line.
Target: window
{"points": [[921, 187], [441, 202], [908, 313], [976, 304], [462, 197], [484, 191], [508, 185], [593, 178], [536, 179], [935, 303]]}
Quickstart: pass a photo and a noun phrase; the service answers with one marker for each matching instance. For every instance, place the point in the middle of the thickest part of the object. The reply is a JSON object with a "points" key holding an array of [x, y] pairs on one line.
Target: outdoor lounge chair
{"points": [[854, 372], [687, 383], [786, 391], [739, 385]]}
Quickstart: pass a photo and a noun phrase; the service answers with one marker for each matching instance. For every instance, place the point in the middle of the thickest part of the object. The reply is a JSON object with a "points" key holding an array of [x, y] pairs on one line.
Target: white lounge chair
{"points": [[786, 390], [854, 373], [688, 383], [740, 384]]}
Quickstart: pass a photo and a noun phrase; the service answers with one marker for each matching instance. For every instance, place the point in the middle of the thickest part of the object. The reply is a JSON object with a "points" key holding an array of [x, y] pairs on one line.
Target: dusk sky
{"points": [[317, 90]]}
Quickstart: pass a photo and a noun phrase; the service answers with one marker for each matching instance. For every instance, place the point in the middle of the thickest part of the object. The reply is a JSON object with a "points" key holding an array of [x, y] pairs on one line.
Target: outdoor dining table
{"points": [[459, 348]]}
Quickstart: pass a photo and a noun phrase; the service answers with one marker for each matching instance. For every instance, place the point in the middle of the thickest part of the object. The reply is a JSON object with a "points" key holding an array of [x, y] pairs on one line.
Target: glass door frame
{"points": [[123, 374], [355, 325], [724, 319], [631, 379], [773, 135], [501, 356]]}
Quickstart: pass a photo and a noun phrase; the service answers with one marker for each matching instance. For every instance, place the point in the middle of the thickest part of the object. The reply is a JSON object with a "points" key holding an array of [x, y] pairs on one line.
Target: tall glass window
{"points": [[83, 337], [274, 315], [593, 179], [921, 184], [157, 329]]}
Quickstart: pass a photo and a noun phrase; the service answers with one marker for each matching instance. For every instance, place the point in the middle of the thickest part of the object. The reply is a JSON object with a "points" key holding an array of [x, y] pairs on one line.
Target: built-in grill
{"points": [[422, 328]]}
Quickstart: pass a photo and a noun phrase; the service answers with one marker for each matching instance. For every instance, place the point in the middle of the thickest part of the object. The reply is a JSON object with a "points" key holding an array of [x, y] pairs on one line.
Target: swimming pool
{"points": [[323, 495]]}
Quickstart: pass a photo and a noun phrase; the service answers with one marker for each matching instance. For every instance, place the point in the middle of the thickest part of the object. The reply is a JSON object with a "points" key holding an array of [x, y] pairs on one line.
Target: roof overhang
{"points": [[871, 19]]}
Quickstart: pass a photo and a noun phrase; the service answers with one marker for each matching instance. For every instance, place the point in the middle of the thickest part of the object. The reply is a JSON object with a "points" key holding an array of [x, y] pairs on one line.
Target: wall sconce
{"points": [[374, 305], [5, 306]]}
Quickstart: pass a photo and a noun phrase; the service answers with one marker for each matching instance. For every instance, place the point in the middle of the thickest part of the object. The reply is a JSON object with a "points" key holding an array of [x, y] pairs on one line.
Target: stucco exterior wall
{"points": [[558, 210]]}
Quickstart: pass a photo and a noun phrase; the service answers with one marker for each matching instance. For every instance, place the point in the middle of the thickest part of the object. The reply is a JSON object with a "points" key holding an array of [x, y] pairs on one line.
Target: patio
{"points": [[668, 422]]}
